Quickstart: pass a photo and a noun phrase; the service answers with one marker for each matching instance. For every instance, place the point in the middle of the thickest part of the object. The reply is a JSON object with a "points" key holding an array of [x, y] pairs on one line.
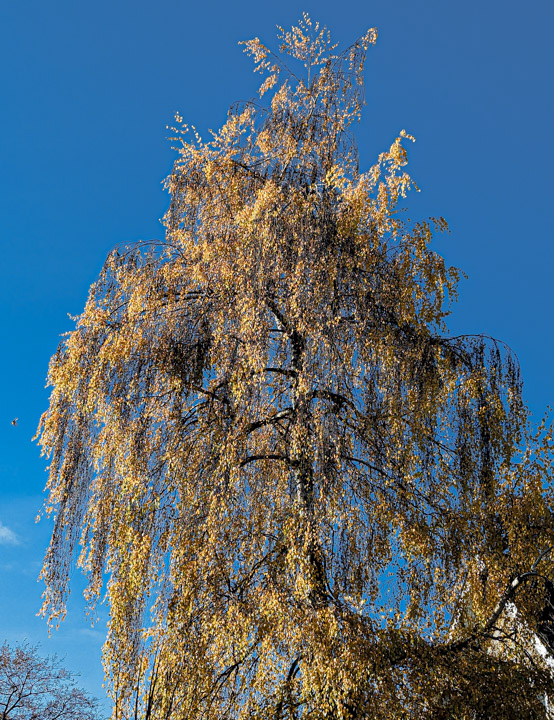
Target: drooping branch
{"points": [[508, 595], [268, 456]]}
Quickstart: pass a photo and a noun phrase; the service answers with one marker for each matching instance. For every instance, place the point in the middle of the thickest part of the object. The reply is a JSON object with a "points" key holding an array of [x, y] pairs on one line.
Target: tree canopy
{"points": [[35, 688], [309, 500]]}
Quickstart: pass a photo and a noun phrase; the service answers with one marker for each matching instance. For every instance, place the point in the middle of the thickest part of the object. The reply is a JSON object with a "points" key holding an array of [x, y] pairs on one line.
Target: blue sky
{"points": [[87, 92]]}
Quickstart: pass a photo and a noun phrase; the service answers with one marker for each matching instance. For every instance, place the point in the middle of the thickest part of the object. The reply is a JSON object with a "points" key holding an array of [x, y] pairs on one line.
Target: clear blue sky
{"points": [[87, 91]]}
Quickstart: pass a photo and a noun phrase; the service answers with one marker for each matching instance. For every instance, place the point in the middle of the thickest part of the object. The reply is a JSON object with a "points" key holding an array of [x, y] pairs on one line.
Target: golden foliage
{"points": [[310, 501]]}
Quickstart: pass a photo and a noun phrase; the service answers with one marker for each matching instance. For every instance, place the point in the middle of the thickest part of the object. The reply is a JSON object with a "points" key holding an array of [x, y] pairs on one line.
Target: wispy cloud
{"points": [[93, 634], [7, 536]]}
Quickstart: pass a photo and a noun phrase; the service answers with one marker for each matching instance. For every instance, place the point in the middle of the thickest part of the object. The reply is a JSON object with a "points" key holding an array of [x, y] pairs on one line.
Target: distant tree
{"points": [[35, 688], [312, 501]]}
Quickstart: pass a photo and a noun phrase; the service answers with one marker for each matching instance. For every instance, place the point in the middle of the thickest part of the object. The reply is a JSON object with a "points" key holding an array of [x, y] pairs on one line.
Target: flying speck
{"points": [[14, 422]]}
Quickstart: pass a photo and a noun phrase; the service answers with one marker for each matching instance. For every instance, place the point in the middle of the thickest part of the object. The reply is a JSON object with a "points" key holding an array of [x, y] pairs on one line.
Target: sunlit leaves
{"points": [[308, 498]]}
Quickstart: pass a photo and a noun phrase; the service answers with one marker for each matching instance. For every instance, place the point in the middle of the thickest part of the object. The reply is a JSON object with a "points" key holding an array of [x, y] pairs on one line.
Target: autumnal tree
{"points": [[311, 501], [35, 688]]}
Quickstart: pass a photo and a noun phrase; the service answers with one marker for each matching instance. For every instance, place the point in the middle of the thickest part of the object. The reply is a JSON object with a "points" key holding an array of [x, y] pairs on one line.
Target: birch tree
{"points": [[307, 498]]}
